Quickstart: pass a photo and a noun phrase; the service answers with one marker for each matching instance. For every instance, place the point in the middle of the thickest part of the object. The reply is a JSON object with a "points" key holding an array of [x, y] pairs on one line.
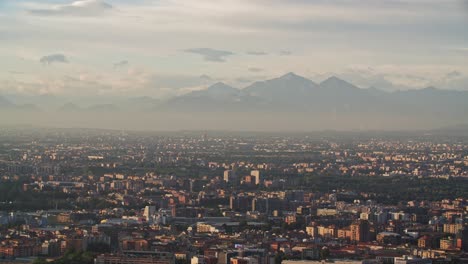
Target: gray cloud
{"points": [[243, 80], [246, 80], [453, 74], [253, 69], [178, 81], [121, 64], [205, 77], [53, 58], [454, 80], [285, 53], [76, 8], [211, 54], [257, 53], [16, 72]]}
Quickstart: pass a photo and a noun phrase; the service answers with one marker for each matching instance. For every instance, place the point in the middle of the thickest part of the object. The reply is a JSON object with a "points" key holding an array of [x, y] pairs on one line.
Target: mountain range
{"points": [[293, 93], [288, 93]]}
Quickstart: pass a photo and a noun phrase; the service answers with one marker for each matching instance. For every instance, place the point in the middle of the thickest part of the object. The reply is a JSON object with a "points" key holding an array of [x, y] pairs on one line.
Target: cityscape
{"points": [[103, 196]]}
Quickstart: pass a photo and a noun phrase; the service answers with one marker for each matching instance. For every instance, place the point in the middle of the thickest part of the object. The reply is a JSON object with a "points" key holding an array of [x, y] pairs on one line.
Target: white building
{"points": [[149, 212], [256, 174]]}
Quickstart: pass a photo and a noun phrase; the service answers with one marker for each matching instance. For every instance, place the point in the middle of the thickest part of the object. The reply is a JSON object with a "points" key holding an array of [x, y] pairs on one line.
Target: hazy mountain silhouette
{"points": [[103, 108], [142, 103], [218, 96], [293, 93], [288, 93], [289, 101], [5, 103], [70, 107], [287, 86]]}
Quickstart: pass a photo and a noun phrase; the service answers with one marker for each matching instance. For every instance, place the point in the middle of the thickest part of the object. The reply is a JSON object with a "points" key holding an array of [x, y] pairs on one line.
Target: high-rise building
{"points": [[260, 205], [256, 174], [149, 212], [312, 230], [241, 203], [274, 204], [198, 260], [229, 176], [464, 238], [360, 231], [453, 228]]}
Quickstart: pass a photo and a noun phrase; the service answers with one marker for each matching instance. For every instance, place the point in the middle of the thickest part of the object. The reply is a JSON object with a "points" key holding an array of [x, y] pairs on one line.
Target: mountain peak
{"points": [[283, 88], [290, 75], [334, 82], [4, 102], [217, 90], [69, 106], [430, 88]]}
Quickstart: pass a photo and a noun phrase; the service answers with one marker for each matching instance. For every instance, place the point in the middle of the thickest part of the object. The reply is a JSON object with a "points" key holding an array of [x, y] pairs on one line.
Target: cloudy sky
{"points": [[165, 47]]}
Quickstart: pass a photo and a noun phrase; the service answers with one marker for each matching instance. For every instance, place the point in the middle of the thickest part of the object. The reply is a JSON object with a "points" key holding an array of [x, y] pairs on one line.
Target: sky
{"points": [[162, 48]]}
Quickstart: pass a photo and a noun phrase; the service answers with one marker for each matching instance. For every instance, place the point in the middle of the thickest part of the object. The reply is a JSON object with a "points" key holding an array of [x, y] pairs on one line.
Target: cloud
{"points": [[398, 77], [17, 72], [76, 8], [453, 80], [178, 81], [53, 58], [327, 34], [242, 80], [285, 53], [453, 74], [42, 86], [257, 53], [211, 54], [132, 82], [253, 69], [205, 77], [121, 64]]}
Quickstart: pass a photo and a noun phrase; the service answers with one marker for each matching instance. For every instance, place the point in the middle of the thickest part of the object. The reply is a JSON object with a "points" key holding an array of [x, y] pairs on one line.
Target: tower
{"points": [[149, 212], [256, 174], [360, 231], [229, 176]]}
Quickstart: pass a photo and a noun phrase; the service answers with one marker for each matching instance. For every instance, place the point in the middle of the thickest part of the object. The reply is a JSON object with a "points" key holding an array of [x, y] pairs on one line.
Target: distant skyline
{"points": [[168, 47]]}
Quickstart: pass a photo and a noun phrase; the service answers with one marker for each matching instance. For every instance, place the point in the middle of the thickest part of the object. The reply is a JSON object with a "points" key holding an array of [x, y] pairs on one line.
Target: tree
{"points": [[324, 253], [40, 261], [243, 225], [279, 257]]}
